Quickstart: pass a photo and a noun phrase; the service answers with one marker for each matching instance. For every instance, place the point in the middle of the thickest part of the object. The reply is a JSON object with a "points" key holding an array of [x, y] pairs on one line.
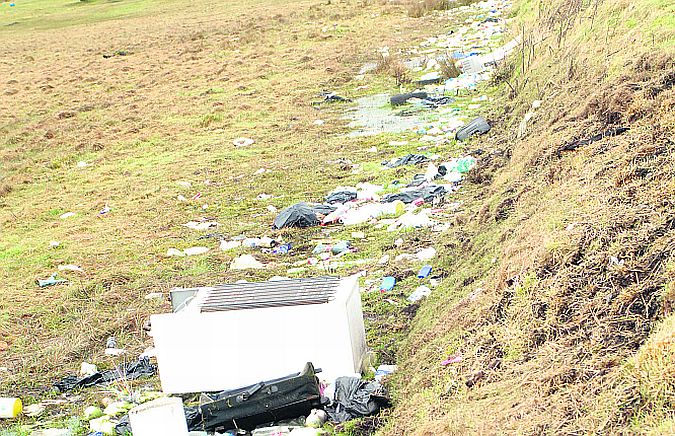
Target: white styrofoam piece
{"points": [[163, 416]]}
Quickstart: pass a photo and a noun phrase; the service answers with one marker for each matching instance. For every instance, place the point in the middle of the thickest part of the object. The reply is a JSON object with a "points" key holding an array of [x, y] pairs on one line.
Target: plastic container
{"points": [[387, 284], [163, 416], [424, 272], [10, 407]]}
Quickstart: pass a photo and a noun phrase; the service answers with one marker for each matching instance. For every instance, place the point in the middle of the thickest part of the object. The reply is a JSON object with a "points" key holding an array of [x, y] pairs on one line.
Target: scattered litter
{"points": [[341, 197], [456, 358], [426, 254], [477, 126], [229, 245], [298, 215], [203, 225], [161, 416], [399, 99], [105, 210], [358, 235], [10, 407], [114, 352], [51, 281], [260, 171], [82, 164], [424, 272], [243, 142], [70, 267], [355, 398], [387, 284], [319, 122], [330, 97], [184, 184], [383, 260], [263, 197], [419, 293], [92, 412], [282, 249], [246, 261], [411, 159], [174, 252], [54, 244], [316, 419], [194, 251], [573, 145], [88, 369], [428, 193], [197, 196], [67, 215], [181, 198], [383, 371], [154, 296], [128, 371], [102, 426]]}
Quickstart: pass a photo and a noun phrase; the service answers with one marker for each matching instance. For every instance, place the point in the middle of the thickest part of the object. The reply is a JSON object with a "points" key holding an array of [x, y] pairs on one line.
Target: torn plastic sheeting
{"points": [[428, 193], [301, 215], [355, 398], [411, 159], [341, 197], [399, 99], [129, 371]]}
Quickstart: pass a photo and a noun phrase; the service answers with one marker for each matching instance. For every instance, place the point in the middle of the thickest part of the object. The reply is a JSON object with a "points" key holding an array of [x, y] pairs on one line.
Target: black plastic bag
{"points": [[341, 197], [298, 215], [411, 159], [478, 125], [355, 398], [129, 371], [429, 193]]}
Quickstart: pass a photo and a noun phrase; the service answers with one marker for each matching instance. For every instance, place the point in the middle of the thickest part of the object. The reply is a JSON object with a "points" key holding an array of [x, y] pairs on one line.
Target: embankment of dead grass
{"points": [[566, 263]]}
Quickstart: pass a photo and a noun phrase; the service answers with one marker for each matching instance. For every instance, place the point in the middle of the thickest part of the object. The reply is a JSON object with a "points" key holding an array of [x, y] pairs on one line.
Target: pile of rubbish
{"points": [[439, 110]]}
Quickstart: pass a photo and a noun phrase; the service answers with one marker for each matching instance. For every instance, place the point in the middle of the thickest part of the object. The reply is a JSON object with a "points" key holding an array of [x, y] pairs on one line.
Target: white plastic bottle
{"points": [[10, 407]]}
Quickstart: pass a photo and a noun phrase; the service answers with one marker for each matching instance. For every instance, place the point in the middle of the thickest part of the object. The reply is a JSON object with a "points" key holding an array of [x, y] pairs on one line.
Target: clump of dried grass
{"points": [[448, 68], [394, 67], [418, 9]]}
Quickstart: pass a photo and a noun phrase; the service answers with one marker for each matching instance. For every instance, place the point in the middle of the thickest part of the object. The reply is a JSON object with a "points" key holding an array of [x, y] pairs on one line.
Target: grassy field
{"points": [[149, 95]]}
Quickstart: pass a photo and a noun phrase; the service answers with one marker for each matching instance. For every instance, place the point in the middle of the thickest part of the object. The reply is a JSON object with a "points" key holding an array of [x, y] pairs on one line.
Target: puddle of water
{"points": [[373, 115]]}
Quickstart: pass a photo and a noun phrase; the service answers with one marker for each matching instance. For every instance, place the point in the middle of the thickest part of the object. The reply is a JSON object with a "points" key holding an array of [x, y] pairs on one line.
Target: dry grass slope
{"points": [[561, 299]]}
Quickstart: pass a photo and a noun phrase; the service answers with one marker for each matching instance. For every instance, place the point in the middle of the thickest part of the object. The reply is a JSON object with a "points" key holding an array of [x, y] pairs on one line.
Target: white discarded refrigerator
{"points": [[230, 336]]}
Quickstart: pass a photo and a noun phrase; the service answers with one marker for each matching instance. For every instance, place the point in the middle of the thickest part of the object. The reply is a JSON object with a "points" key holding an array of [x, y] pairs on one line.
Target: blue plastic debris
{"points": [[424, 272], [51, 281], [387, 284]]}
